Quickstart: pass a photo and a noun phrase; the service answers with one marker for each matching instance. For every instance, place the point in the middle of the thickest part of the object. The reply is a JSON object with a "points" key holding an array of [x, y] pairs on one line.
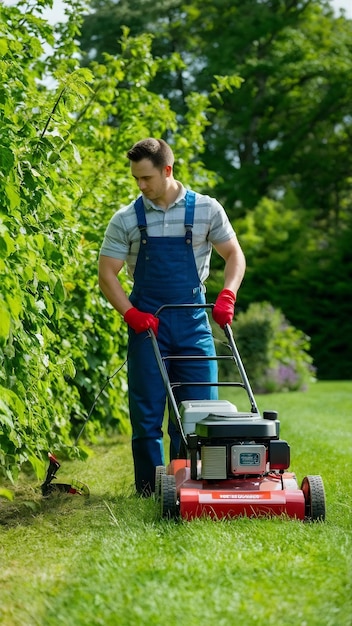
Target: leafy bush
{"points": [[63, 173], [54, 322], [274, 353]]}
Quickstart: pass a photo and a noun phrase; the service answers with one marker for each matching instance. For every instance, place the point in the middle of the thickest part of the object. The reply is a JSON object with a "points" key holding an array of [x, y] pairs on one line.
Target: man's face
{"points": [[151, 181]]}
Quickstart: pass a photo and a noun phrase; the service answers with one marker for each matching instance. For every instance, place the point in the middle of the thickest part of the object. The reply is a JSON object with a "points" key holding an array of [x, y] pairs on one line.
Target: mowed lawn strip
{"points": [[109, 560]]}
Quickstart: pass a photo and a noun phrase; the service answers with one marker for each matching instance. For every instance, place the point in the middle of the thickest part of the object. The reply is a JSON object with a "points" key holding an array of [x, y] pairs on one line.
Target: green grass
{"points": [[108, 560]]}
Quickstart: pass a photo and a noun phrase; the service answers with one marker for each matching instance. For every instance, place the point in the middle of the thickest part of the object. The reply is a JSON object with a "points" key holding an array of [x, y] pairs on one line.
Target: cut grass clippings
{"points": [[109, 560]]}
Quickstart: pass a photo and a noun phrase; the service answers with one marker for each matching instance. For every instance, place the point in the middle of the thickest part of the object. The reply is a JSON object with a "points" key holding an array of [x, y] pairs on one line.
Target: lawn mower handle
{"points": [[229, 336], [166, 382], [161, 362], [183, 306], [242, 371], [164, 374]]}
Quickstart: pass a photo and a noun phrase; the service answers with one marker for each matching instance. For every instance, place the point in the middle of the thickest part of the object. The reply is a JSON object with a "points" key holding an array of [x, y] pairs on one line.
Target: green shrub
{"points": [[275, 354], [63, 173]]}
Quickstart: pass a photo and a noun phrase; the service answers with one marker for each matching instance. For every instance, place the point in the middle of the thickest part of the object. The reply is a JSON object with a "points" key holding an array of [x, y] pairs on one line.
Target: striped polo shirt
{"points": [[211, 226]]}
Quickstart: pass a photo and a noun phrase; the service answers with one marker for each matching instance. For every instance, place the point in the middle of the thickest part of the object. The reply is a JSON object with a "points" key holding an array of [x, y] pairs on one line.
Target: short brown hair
{"points": [[156, 150]]}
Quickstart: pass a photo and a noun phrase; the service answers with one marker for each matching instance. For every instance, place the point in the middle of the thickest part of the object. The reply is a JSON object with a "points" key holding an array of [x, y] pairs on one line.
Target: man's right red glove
{"points": [[140, 321], [224, 307]]}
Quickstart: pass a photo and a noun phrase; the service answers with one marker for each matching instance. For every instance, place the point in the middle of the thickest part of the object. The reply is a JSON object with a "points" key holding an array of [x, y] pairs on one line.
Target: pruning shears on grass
{"points": [[76, 487]]}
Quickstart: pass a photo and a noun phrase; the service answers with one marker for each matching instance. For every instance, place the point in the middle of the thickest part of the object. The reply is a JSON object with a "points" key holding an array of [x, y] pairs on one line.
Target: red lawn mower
{"points": [[231, 463]]}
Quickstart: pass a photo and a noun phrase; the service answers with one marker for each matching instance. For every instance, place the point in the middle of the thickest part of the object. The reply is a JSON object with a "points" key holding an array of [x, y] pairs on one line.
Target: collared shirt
{"points": [[211, 226]]}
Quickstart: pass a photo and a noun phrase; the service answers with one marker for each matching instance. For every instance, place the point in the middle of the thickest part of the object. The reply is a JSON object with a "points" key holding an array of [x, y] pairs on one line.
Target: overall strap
{"points": [[141, 219], [189, 215], [190, 200]]}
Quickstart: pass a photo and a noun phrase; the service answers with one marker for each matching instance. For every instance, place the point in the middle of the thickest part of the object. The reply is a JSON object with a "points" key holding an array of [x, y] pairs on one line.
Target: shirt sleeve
{"points": [[116, 242], [220, 226]]}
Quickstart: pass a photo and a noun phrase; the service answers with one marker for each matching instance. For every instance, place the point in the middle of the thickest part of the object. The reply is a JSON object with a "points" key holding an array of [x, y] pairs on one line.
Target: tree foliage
{"points": [[289, 123], [281, 143], [63, 171]]}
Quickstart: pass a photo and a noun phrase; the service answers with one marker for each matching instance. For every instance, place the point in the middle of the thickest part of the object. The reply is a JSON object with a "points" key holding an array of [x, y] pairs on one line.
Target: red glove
{"points": [[140, 321], [224, 308]]}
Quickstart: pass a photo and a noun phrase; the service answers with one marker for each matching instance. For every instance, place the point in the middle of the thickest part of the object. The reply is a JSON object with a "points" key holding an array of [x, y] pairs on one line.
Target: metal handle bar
{"points": [[242, 371], [183, 306], [205, 383], [166, 381], [170, 386], [229, 335], [197, 357]]}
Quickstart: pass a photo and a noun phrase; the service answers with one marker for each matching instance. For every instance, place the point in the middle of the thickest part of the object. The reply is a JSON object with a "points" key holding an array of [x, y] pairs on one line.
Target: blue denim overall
{"points": [[165, 273]]}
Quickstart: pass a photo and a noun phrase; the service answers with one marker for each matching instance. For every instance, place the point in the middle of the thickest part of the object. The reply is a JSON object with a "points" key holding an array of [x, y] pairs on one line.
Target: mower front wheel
{"points": [[160, 470], [314, 497], [168, 497]]}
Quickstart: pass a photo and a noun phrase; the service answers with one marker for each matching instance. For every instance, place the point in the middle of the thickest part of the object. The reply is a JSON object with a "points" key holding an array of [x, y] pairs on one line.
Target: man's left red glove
{"points": [[224, 307]]}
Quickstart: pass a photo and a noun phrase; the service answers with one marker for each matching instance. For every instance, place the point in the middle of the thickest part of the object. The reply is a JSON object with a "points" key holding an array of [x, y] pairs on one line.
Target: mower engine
{"points": [[218, 462], [230, 443]]}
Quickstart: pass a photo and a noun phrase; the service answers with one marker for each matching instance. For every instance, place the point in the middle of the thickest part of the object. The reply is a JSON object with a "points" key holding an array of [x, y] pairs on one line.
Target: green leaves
{"points": [[6, 493], [65, 133], [39, 247], [5, 322], [6, 159]]}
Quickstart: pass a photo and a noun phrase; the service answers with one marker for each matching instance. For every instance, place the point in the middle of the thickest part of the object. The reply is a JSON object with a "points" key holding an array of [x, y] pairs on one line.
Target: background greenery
{"points": [[261, 121], [109, 560], [280, 145]]}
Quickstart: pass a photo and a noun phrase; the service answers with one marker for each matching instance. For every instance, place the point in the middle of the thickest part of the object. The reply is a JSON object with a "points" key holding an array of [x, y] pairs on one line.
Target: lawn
{"points": [[108, 559]]}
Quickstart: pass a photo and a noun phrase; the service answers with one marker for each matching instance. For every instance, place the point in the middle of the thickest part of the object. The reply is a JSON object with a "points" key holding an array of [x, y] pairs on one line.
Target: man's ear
{"points": [[168, 170]]}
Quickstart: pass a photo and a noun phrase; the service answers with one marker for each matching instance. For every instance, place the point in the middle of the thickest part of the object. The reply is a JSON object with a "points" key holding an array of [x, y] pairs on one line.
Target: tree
{"points": [[295, 59], [284, 136], [304, 272]]}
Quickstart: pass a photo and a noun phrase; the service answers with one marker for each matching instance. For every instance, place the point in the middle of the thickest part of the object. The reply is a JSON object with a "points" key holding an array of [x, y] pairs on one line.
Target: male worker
{"points": [[166, 238]]}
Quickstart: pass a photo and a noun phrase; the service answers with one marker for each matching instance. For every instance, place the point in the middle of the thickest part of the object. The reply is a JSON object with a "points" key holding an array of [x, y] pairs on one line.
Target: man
{"points": [[166, 238]]}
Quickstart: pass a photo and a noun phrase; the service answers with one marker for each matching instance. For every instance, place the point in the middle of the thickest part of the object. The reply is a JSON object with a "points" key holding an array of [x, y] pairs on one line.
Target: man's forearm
{"points": [[113, 291], [234, 271]]}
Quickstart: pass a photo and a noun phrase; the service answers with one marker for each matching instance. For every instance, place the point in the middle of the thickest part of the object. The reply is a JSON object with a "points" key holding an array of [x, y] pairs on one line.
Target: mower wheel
{"points": [[160, 470], [168, 496], [314, 496]]}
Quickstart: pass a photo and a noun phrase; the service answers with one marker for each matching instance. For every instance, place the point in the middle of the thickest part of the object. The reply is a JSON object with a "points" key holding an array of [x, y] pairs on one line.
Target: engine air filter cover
{"points": [[213, 462]]}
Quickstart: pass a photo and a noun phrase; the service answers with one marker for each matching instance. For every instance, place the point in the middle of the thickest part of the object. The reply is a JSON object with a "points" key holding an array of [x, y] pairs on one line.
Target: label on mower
{"points": [[241, 496], [211, 497], [250, 458]]}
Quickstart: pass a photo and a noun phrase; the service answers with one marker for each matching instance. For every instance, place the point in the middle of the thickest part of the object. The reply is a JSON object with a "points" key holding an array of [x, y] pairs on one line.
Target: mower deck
{"points": [[270, 495]]}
